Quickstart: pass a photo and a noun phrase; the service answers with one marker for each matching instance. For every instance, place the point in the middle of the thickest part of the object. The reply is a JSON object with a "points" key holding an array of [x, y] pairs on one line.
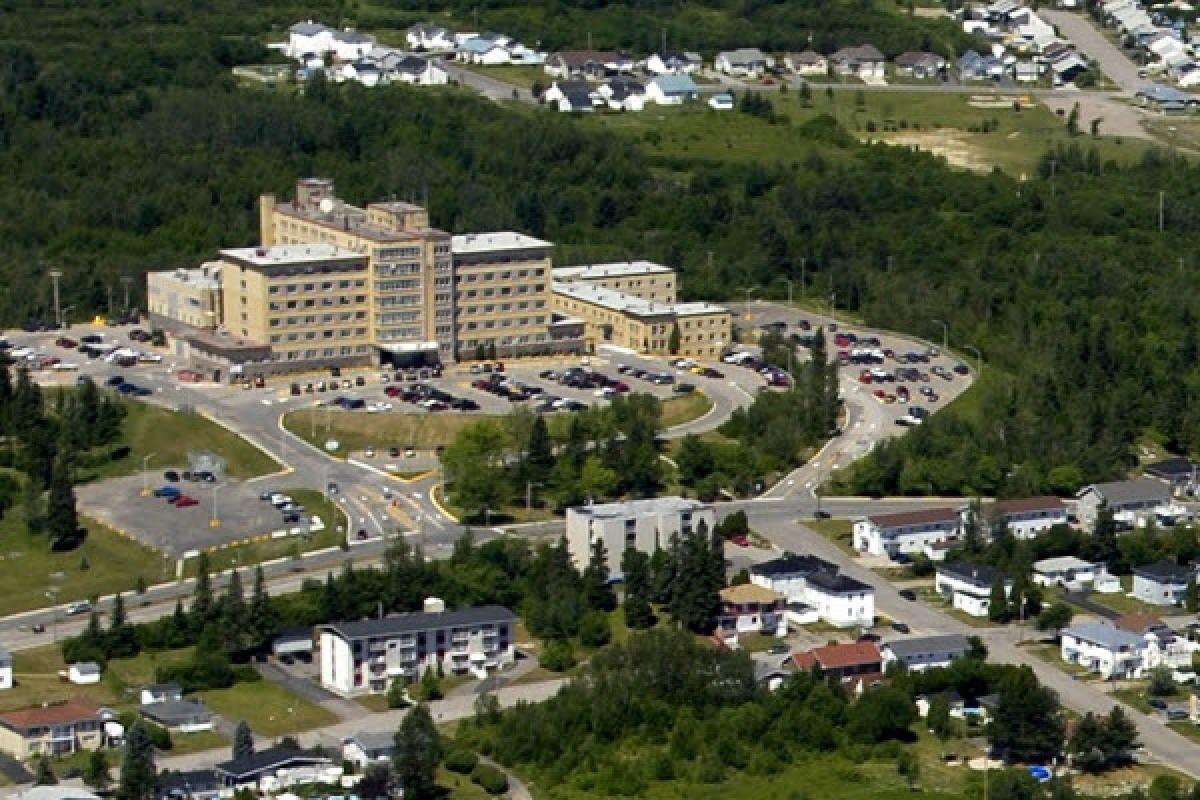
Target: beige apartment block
{"points": [[310, 302], [502, 293], [51, 730], [178, 299], [622, 320], [643, 279]]}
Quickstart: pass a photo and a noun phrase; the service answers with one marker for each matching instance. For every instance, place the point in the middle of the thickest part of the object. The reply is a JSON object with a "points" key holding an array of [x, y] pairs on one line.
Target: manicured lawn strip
{"points": [[268, 708], [838, 531], [685, 408]]}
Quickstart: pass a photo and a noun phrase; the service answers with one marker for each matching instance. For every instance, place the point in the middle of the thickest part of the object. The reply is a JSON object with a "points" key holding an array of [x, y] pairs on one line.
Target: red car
{"points": [[393, 391], [183, 501], [864, 376], [621, 387], [740, 540], [880, 393]]}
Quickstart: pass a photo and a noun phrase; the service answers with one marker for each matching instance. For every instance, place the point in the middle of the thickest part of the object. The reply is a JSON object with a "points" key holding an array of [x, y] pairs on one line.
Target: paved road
{"points": [[1161, 742], [488, 86], [1091, 41]]}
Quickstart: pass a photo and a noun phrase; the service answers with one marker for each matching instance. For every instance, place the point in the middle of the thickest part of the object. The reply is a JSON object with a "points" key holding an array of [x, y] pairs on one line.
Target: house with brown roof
{"points": [[919, 64], [51, 730], [1026, 517], [749, 608], [864, 61], [1141, 624], [593, 64], [810, 62], [905, 532], [858, 665]]}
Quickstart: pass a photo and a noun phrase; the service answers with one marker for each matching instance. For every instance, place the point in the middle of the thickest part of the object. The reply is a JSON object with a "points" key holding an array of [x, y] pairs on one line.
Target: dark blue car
{"points": [[167, 491]]}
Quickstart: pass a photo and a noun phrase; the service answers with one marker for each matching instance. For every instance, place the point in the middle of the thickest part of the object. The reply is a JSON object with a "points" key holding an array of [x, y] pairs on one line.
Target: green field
{"points": [[268, 708], [29, 570], [168, 437], [838, 531]]}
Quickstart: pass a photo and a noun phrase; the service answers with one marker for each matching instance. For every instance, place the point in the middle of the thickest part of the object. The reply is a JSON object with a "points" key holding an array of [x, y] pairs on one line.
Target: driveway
{"points": [[1092, 42], [311, 691]]}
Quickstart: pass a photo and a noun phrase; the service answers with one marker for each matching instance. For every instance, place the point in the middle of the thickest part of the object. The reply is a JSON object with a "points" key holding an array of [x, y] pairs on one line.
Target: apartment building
{"points": [[502, 293], [179, 299], [905, 532], [309, 302], [643, 279], [643, 525], [644, 326], [367, 655], [51, 730]]}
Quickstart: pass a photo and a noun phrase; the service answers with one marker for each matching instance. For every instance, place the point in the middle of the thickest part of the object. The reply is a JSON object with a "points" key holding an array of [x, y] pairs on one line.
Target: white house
{"points": [[367, 655], [420, 71], [1074, 574], [84, 673], [363, 72], [644, 525], [1026, 517], [672, 63], [1162, 584], [810, 62], [919, 653], [722, 101], [366, 748], [747, 608], [841, 600], [672, 90], [426, 36], [1103, 649], [745, 61], [968, 587], [1131, 500], [788, 574], [905, 532], [6, 669], [350, 45], [160, 693], [623, 93], [482, 51], [184, 716], [864, 61], [309, 38]]}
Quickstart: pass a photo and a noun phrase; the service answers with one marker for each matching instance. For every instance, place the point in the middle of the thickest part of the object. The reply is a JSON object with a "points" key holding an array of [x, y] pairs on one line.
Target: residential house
{"points": [[1163, 583], [58, 792], [685, 63], [1142, 624], [192, 784], [747, 62], [365, 748], [594, 64], [1165, 99], [919, 64], [482, 51], [1026, 72], [276, 768], [672, 90], [1181, 474], [426, 36], [51, 730], [864, 61], [841, 600], [308, 39], [857, 665], [1130, 501], [975, 67], [1069, 68], [788, 574], [183, 716], [1103, 649], [367, 655], [293, 643], [770, 676], [1026, 517], [6, 669], [420, 71], [904, 532], [84, 673], [747, 608], [722, 101], [570, 95], [643, 525], [1074, 575], [160, 693], [968, 587], [937, 551], [919, 653], [623, 93], [364, 72], [809, 62]]}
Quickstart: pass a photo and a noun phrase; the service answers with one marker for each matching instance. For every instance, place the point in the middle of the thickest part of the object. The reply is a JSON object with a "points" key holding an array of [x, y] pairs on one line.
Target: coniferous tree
{"points": [[998, 602], [243, 740], [202, 596], [598, 591], [638, 612], [61, 520], [95, 774], [43, 775], [116, 617], [233, 611], [417, 755], [262, 620], [539, 454], [138, 773]]}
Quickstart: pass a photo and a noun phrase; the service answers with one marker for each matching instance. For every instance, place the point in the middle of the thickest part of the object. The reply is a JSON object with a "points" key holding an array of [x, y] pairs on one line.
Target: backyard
{"points": [[269, 709]]}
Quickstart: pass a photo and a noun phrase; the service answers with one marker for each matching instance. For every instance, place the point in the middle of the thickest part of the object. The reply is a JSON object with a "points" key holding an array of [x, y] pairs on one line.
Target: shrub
{"points": [[490, 779], [593, 629], [461, 761], [557, 655]]}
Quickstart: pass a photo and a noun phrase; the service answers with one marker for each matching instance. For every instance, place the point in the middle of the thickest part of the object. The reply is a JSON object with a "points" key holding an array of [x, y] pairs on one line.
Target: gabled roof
{"points": [[675, 84], [270, 759], [1062, 564], [372, 740], [857, 55], [916, 57], [747, 593], [50, 715], [1139, 623], [954, 644], [309, 28], [174, 711], [836, 584], [1141, 489], [792, 564], [743, 55], [479, 45], [980, 575], [1023, 504], [1165, 572], [581, 58], [810, 57], [836, 656], [420, 621], [1103, 635], [1173, 468], [924, 517]]}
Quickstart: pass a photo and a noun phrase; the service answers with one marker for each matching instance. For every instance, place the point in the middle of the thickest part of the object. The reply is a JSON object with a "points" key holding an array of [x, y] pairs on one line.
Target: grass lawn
{"points": [[458, 786], [374, 703], [143, 668], [1052, 654], [1123, 603], [685, 408], [28, 569], [171, 435], [198, 742], [1136, 697], [838, 531], [521, 77], [254, 552], [758, 642], [267, 707], [36, 681]]}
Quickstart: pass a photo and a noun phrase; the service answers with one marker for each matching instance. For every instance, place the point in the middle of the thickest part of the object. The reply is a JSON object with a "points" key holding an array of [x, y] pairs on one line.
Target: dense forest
{"points": [[142, 153]]}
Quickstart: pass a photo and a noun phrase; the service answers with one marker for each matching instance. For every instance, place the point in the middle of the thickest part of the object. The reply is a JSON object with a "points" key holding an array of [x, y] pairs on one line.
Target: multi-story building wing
{"points": [[643, 525], [643, 279], [502, 293], [367, 655]]}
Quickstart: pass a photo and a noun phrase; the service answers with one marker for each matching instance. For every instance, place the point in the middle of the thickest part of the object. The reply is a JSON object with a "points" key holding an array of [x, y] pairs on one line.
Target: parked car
{"points": [[170, 492], [171, 475], [908, 594], [740, 540], [184, 501], [684, 388], [901, 627], [80, 607]]}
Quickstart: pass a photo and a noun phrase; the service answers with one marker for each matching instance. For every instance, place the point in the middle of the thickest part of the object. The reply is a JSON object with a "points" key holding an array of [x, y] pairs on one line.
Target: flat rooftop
{"points": [[617, 269], [611, 299], [469, 243], [650, 505], [695, 309], [350, 219], [279, 254], [206, 276]]}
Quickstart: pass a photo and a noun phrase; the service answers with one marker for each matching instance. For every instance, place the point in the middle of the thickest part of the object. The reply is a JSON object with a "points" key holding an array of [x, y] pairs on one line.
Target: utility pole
{"points": [[945, 334], [126, 281], [109, 288], [788, 281], [803, 276], [1162, 209], [55, 275]]}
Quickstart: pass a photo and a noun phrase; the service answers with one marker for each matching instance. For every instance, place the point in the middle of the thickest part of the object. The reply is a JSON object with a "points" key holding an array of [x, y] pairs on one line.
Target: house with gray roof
{"points": [[427, 36], [919, 653], [1130, 501], [366, 748], [1163, 583], [184, 716], [1166, 99], [748, 62], [968, 587], [919, 64], [1104, 649], [672, 90], [864, 61]]}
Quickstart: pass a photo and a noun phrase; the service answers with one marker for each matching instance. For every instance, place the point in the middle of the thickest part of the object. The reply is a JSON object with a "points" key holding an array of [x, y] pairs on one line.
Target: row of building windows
{"points": [[328, 352], [398, 269], [325, 302], [397, 253], [308, 336], [488, 324], [491, 309], [399, 300], [503, 291], [472, 277], [397, 334], [313, 319], [325, 286], [397, 316]]}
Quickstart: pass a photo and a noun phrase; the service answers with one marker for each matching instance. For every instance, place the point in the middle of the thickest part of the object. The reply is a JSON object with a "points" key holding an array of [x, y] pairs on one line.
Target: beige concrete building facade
{"points": [[178, 299], [643, 279], [502, 293], [51, 730]]}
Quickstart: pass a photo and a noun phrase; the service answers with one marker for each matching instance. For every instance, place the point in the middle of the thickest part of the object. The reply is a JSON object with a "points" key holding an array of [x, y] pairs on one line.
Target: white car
{"points": [[149, 358], [606, 391]]}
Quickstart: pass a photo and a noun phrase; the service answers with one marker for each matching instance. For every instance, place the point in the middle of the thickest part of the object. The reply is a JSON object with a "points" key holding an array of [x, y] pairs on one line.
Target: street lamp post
{"points": [[63, 317], [52, 595], [945, 334], [145, 476], [529, 493], [788, 281], [978, 358], [215, 520]]}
